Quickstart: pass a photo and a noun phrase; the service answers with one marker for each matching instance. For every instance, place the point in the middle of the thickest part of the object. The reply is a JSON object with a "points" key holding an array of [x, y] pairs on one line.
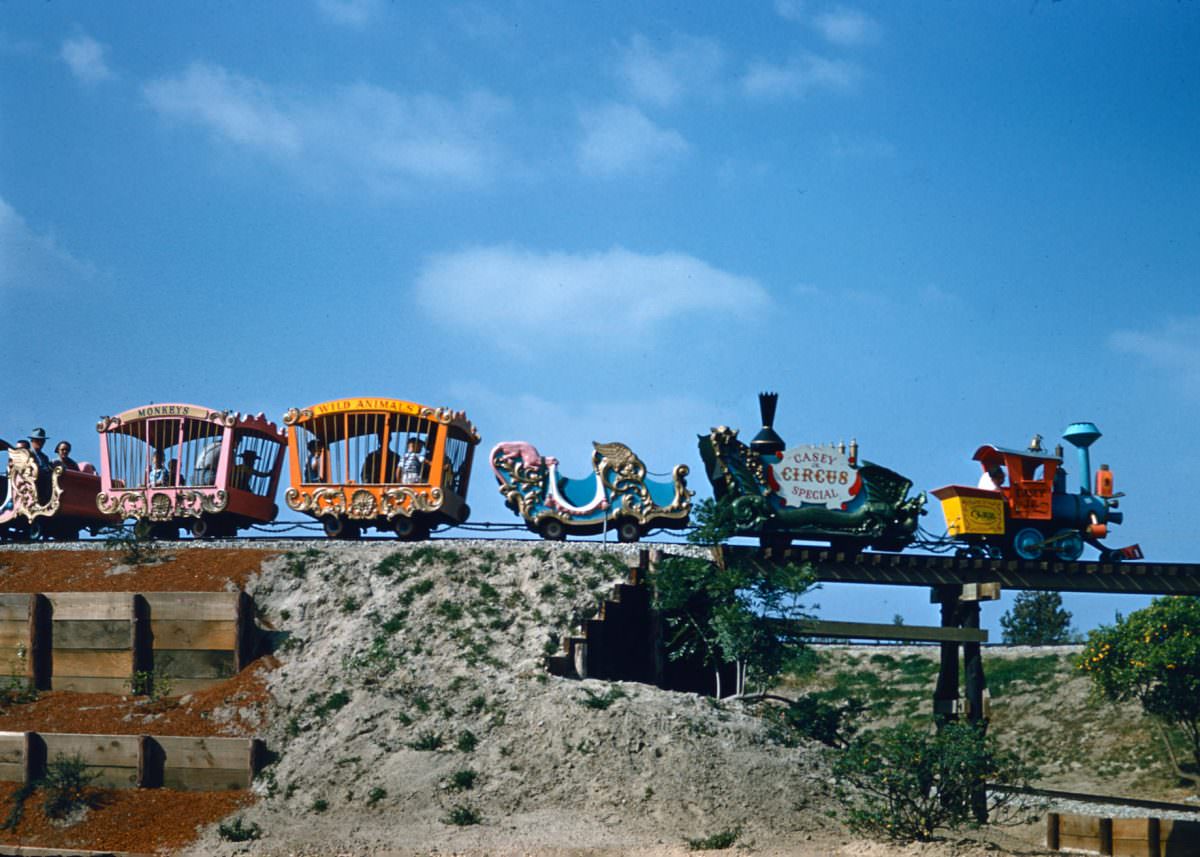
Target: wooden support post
{"points": [[1053, 824], [976, 688], [945, 694], [142, 640], [1153, 837], [1106, 836], [35, 757], [41, 665]]}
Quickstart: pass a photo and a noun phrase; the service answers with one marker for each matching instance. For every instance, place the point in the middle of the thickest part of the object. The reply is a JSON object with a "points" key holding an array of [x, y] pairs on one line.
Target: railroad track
{"points": [[1100, 800]]}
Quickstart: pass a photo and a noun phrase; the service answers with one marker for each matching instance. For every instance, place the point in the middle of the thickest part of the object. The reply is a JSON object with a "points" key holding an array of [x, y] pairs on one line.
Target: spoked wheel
{"points": [[552, 530], [1068, 545], [39, 530], [203, 528], [1027, 543], [409, 529], [628, 531], [337, 527]]}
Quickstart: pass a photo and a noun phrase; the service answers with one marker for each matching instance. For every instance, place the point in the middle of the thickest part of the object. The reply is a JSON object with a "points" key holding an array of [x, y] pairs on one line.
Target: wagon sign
{"points": [[816, 474]]}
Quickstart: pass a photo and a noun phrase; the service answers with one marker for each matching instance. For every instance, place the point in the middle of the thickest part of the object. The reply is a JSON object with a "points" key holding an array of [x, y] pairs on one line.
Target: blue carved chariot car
{"points": [[617, 495]]}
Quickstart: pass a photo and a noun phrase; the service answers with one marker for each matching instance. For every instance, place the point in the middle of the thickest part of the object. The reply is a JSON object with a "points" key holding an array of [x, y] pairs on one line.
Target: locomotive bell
{"points": [[1081, 436], [767, 442]]}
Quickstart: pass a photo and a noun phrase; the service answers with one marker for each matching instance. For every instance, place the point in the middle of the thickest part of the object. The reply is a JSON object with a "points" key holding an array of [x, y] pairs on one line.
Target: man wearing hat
{"points": [[37, 439], [243, 472]]}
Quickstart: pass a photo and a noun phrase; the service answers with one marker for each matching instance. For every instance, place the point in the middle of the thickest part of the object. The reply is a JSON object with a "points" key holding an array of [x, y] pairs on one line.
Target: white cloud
{"points": [[846, 27], [379, 136], [237, 108], [790, 10], [85, 57], [511, 294], [32, 262], [663, 76], [1174, 349], [618, 138], [799, 76], [349, 13]]}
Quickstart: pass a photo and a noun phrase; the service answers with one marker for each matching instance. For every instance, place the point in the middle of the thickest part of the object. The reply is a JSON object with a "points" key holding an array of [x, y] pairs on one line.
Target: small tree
{"points": [[903, 783], [1152, 656], [731, 612], [1036, 619]]}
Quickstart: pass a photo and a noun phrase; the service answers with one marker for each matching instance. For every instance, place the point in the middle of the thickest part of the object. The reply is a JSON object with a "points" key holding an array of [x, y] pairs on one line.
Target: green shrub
{"points": [[716, 842], [390, 564], [467, 741], [237, 831], [463, 780], [375, 795], [66, 783], [333, 702], [427, 741], [320, 805], [817, 717], [901, 783], [600, 701], [462, 816], [155, 684]]}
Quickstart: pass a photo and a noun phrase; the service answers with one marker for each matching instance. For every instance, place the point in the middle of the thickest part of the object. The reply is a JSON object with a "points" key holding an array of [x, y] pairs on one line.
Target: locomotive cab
{"points": [[183, 466], [384, 463]]}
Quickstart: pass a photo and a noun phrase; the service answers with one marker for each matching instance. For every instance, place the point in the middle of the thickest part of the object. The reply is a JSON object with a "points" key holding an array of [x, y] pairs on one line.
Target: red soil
{"points": [[174, 569]]}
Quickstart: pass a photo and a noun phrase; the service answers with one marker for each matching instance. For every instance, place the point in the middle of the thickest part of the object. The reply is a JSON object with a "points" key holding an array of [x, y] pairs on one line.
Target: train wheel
{"points": [[202, 528], [409, 530], [337, 527], [1068, 545], [39, 530], [628, 531], [1027, 543], [552, 530]]}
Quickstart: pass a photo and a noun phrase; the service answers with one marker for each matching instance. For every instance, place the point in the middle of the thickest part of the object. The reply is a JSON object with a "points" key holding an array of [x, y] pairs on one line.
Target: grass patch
{"points": [[716, 842]]}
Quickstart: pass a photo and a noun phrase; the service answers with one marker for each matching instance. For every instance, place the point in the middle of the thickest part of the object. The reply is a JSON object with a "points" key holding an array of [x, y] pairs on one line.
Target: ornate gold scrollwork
{"points": [[407, 501], [295, 415], [524, 491], [362, 504], [321, 501], [107, 424], [624, 476], [23, 487], [162, 505]]}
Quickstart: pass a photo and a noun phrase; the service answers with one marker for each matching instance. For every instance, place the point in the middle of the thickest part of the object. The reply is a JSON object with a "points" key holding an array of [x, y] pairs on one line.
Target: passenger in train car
{"points": [[160, 474], [314, 465], [63, 451], [244, 471], [372, 464], [37, 439], [412, 463]]}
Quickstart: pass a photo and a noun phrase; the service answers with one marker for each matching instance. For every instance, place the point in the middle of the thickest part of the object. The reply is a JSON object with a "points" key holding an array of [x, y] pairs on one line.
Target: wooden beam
{"points": [[881, 631]]}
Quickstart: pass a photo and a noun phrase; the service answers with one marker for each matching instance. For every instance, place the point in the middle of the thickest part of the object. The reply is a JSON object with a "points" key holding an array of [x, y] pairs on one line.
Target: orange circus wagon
{"points": [[389, 464]]}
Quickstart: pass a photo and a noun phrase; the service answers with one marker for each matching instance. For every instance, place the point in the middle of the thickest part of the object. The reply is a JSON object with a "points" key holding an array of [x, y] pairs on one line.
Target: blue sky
{"points": [[928, 226]]}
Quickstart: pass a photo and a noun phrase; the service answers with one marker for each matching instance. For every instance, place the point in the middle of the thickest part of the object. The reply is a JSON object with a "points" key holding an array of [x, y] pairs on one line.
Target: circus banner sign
{"points": [[816, 474]]}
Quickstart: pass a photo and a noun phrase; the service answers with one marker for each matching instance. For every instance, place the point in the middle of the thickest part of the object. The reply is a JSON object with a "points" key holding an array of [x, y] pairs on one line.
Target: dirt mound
{"points": [[412, 707]]}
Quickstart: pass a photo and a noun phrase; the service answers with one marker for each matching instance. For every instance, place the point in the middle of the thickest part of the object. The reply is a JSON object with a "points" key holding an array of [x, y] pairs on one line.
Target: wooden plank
{"points": [[12, 773], [881, 631], [116, 751], [110, 777], [194, 663], [195, 606], [36, 851], [14, 607], [205, 779], [1129, 828], [180, 686], [1074, 842], [12, 748], [91, 605], [183, 634], [100, 663], [91, 684], [92, 634], [215, 753], [1079, 825]]}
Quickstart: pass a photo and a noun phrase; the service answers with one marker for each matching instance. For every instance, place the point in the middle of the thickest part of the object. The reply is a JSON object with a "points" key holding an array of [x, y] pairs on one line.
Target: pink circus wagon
{"points": [[175, 466]]}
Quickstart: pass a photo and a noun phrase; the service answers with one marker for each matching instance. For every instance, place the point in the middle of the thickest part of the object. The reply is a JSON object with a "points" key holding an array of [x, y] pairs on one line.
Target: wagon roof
{"points": [[212, 420], [376, 404]]}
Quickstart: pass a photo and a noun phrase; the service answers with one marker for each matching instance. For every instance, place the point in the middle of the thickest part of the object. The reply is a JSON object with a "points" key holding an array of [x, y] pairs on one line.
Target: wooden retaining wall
{"points": [[1122, 837], [95, 642], [136, 761]]}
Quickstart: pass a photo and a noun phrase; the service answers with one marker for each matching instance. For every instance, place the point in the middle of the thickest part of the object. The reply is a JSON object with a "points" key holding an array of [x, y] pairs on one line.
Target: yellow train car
{"points": [[392, 465]]}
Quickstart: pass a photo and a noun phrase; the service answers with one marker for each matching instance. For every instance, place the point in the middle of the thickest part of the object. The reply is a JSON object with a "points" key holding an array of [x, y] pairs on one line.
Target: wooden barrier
{"points": [[97, 642], [198, 638], [136, 761], [92, 641], [1122, 837]]}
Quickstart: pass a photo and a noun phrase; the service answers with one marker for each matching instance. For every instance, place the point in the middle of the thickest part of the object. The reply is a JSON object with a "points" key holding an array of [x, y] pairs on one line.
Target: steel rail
{"points": [[1081, 797]]}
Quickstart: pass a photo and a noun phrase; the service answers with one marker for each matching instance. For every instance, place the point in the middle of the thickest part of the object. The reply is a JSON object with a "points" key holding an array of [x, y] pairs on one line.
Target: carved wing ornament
{"points": [[22, 480]]}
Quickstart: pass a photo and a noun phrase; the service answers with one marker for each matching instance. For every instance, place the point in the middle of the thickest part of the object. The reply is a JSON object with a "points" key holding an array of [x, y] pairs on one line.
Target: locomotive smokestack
{"points": [[767, 442], [1081, 436]]}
